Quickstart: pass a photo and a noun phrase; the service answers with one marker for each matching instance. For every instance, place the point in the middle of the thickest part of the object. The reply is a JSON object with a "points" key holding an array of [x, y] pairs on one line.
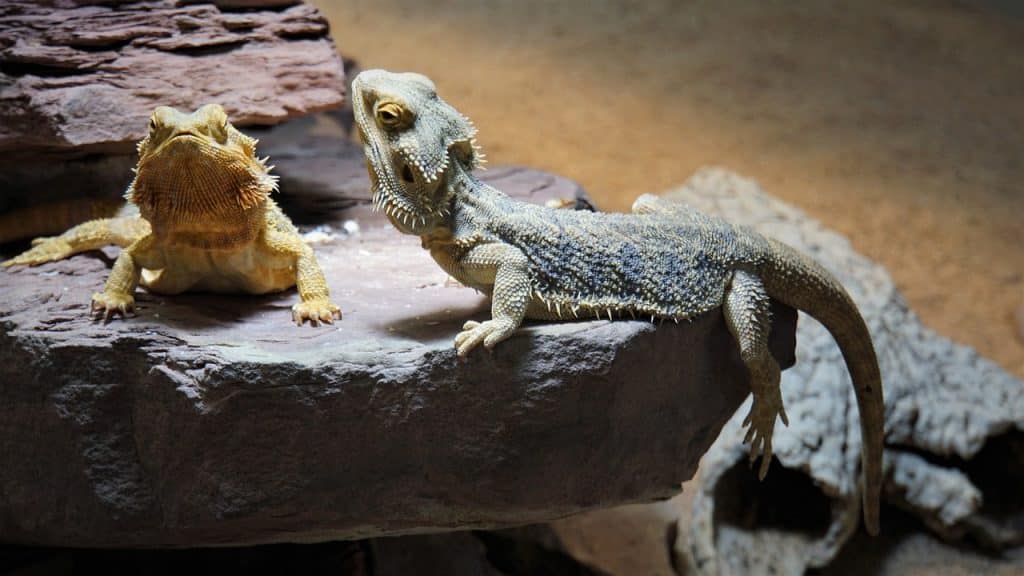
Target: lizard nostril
{"points": [[407, 174]]}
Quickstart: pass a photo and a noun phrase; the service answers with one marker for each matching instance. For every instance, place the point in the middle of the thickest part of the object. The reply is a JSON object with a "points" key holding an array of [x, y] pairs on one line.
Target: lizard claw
{"points": [[109, 304], [761, 422], [316, 311], [488, 333]]}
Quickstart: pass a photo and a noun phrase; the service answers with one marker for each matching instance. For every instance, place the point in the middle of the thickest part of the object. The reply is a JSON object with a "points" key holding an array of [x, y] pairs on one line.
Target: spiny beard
{"points": [[194, 180]]}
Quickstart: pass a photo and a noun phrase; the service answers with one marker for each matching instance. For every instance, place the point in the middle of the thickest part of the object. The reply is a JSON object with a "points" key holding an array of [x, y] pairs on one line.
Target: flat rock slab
{"points": [[212, 420], [83, 78]]}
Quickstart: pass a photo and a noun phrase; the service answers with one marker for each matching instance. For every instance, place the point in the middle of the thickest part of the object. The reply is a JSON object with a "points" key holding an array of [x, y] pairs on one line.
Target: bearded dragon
{"points": [[198, 217], [664, 261]]}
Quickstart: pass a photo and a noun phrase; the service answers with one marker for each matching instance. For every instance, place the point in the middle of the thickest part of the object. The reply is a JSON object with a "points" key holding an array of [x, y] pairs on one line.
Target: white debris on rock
{"points": [[325, 233]]}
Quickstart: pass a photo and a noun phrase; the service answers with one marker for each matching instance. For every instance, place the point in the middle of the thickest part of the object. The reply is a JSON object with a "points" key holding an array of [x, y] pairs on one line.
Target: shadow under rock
{"points": [[785, 499], [998, 471], [905, 543], [334, 558], [520, 557]]}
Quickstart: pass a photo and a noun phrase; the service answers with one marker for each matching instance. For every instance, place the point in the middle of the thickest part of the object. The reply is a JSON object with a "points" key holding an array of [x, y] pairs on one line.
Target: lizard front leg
{"points": [[314, 298], [748, 316], [86, 236], [118, 297], [507, 269]]}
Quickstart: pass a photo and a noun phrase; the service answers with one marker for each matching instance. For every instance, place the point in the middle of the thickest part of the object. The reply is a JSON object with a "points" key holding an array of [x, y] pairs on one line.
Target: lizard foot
{"points": [[316, 311], [489, 333], [761, 422], [108, 304], [43, 250]]}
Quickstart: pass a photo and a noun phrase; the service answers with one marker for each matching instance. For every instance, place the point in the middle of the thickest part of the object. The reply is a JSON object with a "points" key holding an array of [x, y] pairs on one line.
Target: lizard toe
{"points": [[316, 311], [488, 333], [467, 340], [107, 305]]}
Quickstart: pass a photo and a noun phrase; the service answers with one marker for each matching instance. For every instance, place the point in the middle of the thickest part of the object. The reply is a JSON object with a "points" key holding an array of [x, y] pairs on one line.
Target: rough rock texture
{"points": [[87, 77], [213, 420], [954, 424], [78, 80]]}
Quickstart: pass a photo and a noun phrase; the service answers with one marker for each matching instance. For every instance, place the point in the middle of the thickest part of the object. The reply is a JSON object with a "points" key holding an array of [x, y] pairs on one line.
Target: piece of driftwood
{"points": [[954, 424], [944, 399]]}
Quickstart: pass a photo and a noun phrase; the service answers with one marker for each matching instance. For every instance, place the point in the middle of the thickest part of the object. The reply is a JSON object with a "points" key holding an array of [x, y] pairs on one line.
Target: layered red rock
{"points": [[79, 78]]}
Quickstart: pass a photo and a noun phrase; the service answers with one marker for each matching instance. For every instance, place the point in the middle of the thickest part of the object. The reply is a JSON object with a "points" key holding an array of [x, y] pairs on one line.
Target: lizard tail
{"points": [[798, 281], [50, 218]]}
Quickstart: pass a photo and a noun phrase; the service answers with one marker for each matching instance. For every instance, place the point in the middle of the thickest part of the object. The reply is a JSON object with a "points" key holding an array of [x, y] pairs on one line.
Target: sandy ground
{"points": [[900, 123]]}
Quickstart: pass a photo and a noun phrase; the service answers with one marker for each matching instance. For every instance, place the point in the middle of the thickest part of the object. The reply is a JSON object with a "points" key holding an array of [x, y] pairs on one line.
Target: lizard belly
{"points": [[247, 270]]}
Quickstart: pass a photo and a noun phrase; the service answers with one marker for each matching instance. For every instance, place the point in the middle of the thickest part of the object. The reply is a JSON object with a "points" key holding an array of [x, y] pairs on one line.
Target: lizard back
{"points": [[670, 265]]}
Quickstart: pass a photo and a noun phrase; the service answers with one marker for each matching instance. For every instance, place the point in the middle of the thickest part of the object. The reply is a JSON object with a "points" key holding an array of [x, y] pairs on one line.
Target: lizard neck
{"points": [[473, 209], [470, 204], [475, 204]]}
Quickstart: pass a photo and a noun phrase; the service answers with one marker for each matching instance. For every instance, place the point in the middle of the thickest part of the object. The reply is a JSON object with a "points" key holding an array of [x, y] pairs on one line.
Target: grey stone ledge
{"points": [[213, 420]]}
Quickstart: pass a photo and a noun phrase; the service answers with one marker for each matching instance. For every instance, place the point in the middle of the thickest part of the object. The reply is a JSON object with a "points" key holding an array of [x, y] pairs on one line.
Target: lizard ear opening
{"points": [[407, 175], [468, 153]]}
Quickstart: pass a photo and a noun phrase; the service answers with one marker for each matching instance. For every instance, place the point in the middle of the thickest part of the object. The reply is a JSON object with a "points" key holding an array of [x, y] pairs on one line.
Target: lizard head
{"points": [[413, 141], [197, 166]]}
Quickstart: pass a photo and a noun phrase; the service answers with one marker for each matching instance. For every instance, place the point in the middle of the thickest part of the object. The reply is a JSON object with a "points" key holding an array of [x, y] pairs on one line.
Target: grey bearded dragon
{"points": [[664, 261]]}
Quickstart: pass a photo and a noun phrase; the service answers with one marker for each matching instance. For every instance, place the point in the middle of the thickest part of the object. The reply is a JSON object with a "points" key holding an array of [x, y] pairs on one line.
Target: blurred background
{"points": [[898, 123]]}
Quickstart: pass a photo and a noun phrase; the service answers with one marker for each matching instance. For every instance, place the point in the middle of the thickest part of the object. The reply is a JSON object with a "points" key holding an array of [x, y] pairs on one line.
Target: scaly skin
{"points": [[662, 261], [198, 218]]}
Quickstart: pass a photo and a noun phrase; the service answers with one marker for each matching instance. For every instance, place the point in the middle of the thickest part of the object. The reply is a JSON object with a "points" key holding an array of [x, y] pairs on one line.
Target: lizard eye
{"points": [[152, 124], [390, 114]]}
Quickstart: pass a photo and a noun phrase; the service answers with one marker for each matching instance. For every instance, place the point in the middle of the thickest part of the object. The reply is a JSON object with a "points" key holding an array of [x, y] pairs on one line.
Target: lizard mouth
{"points": [[403, 215], [186, 137], [183, 141]]}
